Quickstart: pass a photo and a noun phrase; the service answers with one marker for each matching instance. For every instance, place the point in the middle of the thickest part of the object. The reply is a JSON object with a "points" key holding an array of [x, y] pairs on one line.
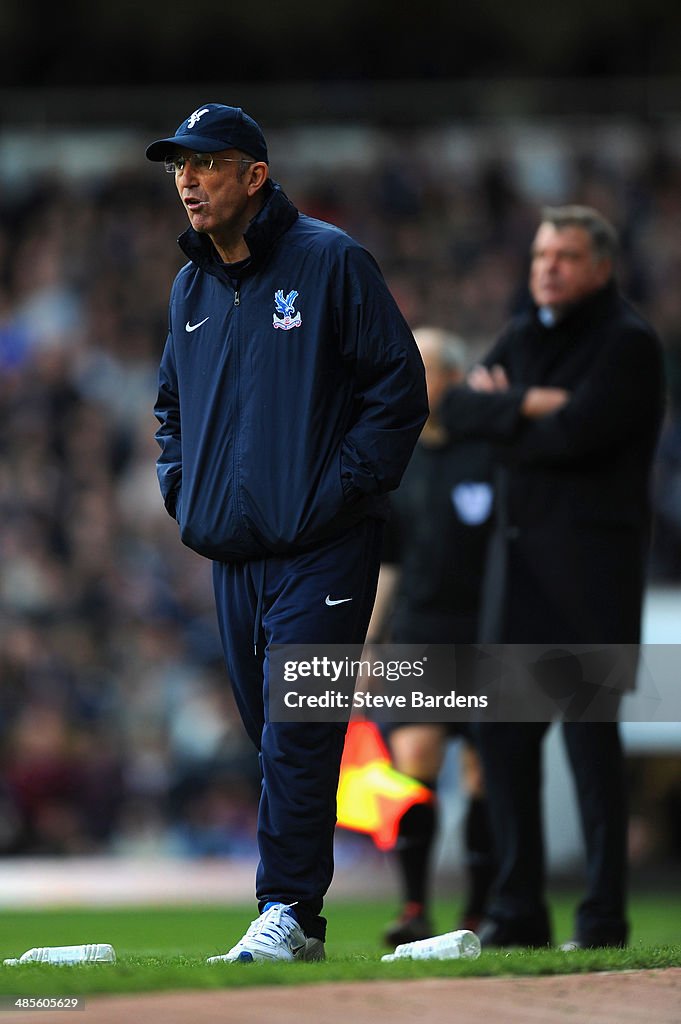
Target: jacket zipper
{"points": [[261, 585], [237, 409]]}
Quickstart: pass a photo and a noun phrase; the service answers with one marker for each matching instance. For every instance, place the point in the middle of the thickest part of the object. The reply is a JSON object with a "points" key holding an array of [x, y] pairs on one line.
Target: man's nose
{"points": [[187, 176]]}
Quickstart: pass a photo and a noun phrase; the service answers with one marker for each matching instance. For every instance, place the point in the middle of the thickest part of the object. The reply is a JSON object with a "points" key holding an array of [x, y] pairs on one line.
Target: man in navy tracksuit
{"points": [[291, 394]]}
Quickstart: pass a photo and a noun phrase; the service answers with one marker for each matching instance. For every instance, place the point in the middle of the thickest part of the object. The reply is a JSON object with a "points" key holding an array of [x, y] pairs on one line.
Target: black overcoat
{"points": [[567, 562]]}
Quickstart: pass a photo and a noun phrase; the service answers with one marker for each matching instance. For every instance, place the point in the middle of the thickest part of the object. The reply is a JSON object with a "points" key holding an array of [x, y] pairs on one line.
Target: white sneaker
{"points": [[275, 935]]}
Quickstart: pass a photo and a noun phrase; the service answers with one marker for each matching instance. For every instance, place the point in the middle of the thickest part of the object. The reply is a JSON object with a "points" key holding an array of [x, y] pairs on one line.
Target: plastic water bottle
{"points": [[90, 953], [450, 946]]}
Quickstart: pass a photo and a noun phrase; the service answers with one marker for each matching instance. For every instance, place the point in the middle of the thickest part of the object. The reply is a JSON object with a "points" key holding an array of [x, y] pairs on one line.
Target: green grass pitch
{"points": [[166, 947]]}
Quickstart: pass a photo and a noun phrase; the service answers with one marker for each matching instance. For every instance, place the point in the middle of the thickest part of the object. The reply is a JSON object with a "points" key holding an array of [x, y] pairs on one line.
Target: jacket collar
{"points": [[274, 218], [593, 307]]}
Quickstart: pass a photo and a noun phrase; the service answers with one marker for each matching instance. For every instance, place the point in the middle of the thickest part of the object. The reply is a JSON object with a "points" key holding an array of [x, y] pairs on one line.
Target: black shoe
{"points": [[411, 925], [508, 934], [469, 922]]}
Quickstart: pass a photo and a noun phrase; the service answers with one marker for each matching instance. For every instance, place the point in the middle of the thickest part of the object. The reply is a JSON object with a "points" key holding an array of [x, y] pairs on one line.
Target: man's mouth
{"points": [[194, 204]]}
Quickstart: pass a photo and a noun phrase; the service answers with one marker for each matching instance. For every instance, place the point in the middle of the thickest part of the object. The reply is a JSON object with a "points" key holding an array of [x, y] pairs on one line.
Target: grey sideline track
{"points": [[609, 998]]}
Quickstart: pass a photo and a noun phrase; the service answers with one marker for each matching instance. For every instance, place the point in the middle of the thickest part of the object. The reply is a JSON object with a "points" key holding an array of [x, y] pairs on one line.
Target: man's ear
{"points": [[259, 173], [605, 270]]}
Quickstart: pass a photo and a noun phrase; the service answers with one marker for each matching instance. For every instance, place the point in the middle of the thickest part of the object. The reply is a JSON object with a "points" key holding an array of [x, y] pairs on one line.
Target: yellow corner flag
{"points": [[372, 795]]}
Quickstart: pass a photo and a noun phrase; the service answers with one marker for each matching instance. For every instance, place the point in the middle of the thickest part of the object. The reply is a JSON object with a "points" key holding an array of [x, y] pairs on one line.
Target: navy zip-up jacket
{"points": [[290, 397]]}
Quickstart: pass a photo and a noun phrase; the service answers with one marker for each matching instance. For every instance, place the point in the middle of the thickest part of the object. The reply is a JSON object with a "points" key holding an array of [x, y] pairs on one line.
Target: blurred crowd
{"points": [[117, 729]]}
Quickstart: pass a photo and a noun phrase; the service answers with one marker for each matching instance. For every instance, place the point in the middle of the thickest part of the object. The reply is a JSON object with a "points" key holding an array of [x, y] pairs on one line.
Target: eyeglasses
{"points": [[203, 163]]}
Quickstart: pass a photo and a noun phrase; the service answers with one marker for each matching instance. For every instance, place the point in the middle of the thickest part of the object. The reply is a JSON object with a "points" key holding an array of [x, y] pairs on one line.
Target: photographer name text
{"points": [[366, 699]]}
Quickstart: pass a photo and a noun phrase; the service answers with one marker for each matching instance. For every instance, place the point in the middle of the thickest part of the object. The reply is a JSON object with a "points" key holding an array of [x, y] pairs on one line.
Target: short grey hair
{"points": [[604, 240], [453, 351]]}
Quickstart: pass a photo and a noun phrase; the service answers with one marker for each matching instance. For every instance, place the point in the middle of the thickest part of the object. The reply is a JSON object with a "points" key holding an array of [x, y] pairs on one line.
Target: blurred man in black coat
{"points": [[572, 394]]}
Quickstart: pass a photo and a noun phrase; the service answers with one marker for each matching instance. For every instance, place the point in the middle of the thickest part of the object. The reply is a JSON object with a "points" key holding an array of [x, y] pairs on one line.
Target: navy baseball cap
{"points": [[212, 127]]}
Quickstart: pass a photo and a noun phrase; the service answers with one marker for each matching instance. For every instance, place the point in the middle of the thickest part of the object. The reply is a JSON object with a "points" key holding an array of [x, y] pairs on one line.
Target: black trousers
{"points": [[512, 761]]}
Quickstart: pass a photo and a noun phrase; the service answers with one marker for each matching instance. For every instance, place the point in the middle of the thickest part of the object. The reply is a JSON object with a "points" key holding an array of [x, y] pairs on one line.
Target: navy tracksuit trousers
{"points": [[282, 600]]}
